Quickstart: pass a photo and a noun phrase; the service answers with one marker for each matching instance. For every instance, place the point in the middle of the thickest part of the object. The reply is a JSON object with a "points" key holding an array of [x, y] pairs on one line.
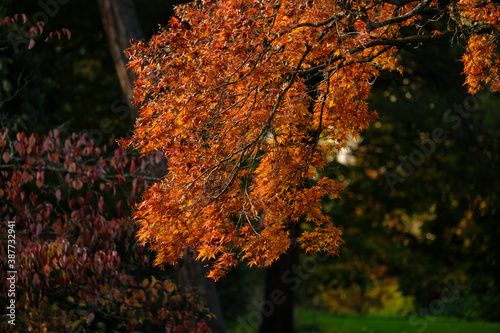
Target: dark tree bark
{"points": [[121, 25], [278, 306], [192, 274], [284, 277]]}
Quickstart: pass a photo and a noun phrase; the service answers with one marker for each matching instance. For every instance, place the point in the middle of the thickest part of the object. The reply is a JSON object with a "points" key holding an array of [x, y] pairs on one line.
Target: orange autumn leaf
{"points": [[247, 100]]}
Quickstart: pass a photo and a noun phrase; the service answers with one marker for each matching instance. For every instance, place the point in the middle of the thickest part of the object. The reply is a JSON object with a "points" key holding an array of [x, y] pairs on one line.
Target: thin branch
{"points": [[320, 24], [415, 11]]}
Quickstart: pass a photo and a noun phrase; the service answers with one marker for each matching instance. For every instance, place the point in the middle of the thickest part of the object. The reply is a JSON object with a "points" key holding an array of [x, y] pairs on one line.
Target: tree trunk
{"points": [[362, 292], [278, 305], [121, 25], [192, 274]]}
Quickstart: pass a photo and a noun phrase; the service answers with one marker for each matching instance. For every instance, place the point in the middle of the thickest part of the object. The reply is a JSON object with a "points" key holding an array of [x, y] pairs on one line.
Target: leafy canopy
{"points": [[247, 99]]}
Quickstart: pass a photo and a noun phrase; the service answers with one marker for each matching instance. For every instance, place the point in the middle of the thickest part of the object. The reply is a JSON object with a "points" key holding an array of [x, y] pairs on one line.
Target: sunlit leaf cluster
{"points": [[247, 99]]}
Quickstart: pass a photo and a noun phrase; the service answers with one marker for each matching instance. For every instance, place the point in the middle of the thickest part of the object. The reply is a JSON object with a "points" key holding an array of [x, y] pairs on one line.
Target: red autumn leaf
{"points": [[77, 184], [39, 228], [40, 25], [36, 280], [39, 178], [133, 165], [67, 32]]}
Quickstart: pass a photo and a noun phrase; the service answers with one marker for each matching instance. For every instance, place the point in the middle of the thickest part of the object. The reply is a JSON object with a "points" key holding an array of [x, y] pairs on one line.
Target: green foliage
{"points": [[310, 321]]}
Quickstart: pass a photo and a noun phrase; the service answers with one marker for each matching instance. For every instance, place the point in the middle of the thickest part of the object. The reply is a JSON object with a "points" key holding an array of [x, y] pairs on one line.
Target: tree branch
{"points": [[415, 11]]}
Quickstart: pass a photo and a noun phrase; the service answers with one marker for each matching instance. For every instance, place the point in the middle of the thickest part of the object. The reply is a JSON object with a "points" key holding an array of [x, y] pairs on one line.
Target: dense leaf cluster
{"points": [[78, 265], [248, 99]]}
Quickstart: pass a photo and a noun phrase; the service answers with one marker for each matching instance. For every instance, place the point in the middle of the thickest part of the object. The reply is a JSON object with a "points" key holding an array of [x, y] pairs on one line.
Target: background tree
{"points": [[121, 25]]}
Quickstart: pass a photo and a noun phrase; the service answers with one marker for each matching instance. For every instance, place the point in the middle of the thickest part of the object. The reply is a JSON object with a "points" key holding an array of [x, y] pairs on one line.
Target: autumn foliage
{"points": [[79, 267], [31, 31], [248, 99]]}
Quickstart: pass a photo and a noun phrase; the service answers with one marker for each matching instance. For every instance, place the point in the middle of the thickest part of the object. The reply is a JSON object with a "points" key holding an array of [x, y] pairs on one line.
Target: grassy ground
{"points": [[310, 321], [315, 322]]}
